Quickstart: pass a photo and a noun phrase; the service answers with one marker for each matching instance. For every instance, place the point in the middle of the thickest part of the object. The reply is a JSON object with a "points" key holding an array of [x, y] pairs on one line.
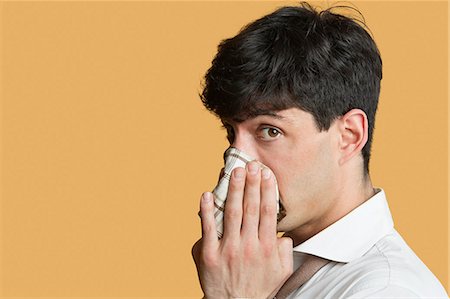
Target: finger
{"points": [[285, 246], [250, 219], [233, 206], [268, 215], [209, 233]]}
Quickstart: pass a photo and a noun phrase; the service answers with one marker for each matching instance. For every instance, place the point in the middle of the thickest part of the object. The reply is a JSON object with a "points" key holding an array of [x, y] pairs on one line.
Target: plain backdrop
{"points": [[106, 148]]}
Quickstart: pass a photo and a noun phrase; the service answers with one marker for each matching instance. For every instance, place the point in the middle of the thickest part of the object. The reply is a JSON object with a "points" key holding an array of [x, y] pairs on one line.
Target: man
{"points": [[298, 90]]}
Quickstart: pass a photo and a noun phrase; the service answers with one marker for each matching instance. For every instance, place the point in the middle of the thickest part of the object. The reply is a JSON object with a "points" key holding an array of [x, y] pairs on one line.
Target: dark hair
{"points": [[321, 62]]}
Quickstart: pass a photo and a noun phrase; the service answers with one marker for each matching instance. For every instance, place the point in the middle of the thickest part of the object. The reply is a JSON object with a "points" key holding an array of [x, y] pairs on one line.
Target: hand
{"points": [[250, 261]]}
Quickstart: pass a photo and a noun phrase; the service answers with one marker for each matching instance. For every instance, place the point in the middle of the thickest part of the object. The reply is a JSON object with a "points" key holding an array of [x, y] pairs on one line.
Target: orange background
{"points": [[106, 148]]}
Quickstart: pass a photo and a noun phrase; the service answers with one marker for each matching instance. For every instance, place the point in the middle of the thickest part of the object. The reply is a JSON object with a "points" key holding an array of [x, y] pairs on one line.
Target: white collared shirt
{"points": [[369, 259]]}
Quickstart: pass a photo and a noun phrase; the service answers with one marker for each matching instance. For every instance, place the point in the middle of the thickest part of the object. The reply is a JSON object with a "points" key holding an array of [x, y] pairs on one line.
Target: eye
{"points": [[269, 133]]}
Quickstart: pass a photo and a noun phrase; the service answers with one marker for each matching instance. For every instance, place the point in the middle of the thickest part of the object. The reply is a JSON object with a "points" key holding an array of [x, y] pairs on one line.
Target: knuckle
{"points": [[204, 256], [268, 210], [231, 252], [231, 255], [251, 209], [249, 251], [267, 252], [268, 189], [209, 259], [232, 213], [207, 228]]}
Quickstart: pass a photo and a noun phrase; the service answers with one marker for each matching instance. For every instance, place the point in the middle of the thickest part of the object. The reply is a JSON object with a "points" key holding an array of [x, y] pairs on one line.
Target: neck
{"points": [[348, 200]]}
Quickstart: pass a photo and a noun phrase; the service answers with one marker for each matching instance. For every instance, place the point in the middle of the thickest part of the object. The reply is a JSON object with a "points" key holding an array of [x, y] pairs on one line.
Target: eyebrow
{"points": [[269, 113]]}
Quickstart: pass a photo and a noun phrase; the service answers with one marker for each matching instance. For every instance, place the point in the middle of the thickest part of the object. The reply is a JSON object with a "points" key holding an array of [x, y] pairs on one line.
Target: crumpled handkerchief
{"points": [[234, 158]]}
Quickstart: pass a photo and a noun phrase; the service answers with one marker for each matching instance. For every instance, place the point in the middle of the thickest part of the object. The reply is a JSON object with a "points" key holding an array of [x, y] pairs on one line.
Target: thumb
{"points": [[196, 251]]}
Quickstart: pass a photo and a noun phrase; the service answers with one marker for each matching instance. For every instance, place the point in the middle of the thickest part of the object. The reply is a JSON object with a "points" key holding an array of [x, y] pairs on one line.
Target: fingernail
{"points": [[252, 167], [238, 173], [206, 197], [266, 173]]}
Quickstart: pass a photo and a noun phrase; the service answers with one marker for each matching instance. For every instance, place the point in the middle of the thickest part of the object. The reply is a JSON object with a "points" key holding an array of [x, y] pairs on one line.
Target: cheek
{"points": [[292, 174], [306, 178]]}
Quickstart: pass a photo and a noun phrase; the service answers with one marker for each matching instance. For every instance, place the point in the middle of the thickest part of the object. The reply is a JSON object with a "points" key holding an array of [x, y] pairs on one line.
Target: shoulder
{"points": [[391, 269]]}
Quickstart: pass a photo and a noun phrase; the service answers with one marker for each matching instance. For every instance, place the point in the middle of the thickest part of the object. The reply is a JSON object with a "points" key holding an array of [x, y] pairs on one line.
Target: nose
{"points": [[245, 143]]}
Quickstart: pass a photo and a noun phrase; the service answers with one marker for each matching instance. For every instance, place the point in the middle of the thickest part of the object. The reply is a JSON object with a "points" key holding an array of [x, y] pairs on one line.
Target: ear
{"points": [[353, 130]]}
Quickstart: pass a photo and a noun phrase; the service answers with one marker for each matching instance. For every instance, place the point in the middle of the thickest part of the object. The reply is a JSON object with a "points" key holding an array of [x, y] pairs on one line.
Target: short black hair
{"points": [[321, 62]]}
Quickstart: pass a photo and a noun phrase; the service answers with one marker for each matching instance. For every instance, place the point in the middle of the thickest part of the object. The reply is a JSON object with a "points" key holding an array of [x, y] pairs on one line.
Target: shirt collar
{"points": [[354, 234]]}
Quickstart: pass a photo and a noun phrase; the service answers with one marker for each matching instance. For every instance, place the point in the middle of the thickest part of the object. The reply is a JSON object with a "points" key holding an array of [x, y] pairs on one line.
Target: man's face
{"points": [[303, 159]]}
